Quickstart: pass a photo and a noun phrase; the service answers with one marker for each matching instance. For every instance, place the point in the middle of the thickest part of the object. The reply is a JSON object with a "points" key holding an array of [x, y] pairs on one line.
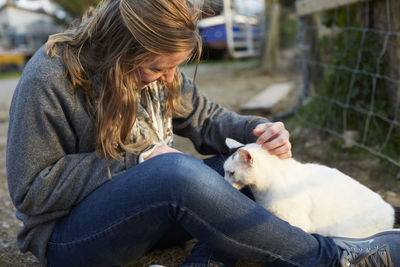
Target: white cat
{"points": [[316, 198]]}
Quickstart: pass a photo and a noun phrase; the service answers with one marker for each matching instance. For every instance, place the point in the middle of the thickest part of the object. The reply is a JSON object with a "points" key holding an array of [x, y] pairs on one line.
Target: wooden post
{"points": [[307, 7], [270, 59], [388, 19]]}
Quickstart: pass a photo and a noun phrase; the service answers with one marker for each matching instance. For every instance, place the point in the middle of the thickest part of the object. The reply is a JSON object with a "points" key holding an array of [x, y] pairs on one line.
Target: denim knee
{"points": [[181, 172]]}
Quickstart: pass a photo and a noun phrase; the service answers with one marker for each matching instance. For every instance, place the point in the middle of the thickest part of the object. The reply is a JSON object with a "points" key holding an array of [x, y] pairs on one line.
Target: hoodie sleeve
{"points": [[207, 124], [51, 161]]}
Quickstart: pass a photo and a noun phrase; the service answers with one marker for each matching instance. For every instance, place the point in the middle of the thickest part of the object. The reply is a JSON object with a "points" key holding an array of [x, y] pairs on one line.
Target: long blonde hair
{"points": [[112, 41]]}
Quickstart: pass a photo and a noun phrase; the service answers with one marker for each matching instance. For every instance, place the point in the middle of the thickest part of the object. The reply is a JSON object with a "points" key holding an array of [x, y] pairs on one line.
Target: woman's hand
{"points": [[275, 138], [161, 149]]}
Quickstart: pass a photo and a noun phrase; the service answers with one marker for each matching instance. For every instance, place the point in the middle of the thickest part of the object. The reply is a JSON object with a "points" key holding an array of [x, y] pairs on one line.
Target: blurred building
{"points": [[25, 29]]}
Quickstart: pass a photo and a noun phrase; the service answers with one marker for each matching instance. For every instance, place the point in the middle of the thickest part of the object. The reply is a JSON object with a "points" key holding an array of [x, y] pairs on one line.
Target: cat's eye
{"points": [[231, 173]]}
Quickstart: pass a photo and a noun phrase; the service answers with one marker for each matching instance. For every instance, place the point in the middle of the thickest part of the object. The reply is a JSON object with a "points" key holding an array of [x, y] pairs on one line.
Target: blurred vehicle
{"points": [[237, 30], [11, 60]]}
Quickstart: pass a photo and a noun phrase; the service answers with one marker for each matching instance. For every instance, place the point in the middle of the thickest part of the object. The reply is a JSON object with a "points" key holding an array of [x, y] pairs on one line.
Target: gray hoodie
{"points": [[51, 159]]}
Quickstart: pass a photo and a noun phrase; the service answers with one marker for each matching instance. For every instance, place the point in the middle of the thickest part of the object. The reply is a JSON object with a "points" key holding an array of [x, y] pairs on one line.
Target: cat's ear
{"points": [[245, 156], [232, 144]]}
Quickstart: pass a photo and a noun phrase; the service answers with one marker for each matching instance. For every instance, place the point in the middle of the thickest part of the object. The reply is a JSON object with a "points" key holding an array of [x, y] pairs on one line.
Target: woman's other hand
{"points": [[274, 137]]}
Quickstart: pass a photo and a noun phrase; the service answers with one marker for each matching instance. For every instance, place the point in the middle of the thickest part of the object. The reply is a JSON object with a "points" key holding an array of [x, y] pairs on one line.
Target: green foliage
{"points": [[287, 30], [349, 94], [76, 8], [9, 75], [287, 3]]}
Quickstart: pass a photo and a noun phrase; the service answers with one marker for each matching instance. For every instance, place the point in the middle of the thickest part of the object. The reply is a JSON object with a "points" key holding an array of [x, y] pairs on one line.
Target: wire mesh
{"points": [[350, 68]]}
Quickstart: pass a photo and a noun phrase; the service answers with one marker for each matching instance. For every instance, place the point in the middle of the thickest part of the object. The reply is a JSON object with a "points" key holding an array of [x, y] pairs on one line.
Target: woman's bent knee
{"points": [[167, 178], [180, 168], [180, 171]]}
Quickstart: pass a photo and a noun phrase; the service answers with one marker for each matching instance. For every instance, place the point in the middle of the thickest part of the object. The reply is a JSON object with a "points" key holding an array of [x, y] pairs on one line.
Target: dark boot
{"points": [[379, 250]]}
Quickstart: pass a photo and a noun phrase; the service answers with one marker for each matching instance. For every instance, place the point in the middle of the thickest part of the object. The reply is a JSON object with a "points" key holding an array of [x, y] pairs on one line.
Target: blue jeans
{"points": [[134, 212]]}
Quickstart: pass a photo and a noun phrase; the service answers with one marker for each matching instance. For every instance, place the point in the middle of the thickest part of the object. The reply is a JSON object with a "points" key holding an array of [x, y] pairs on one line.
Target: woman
{"points": [[90, 164]]}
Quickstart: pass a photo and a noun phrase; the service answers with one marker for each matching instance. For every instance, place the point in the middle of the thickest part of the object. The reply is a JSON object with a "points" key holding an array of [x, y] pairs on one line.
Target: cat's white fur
{"points": [[316, 198]]}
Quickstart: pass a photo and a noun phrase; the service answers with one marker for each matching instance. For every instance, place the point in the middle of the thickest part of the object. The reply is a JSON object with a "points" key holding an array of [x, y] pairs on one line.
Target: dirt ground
{"points": [[230, 85]]}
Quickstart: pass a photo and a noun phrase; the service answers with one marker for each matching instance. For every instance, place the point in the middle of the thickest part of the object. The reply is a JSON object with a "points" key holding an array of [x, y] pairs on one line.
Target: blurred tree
{"points": [[76, 8], [287, 3], [270, 58]]}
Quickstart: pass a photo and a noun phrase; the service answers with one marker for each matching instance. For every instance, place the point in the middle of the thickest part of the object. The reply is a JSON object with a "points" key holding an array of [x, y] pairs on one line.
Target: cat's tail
{"points": [[396, 215]]}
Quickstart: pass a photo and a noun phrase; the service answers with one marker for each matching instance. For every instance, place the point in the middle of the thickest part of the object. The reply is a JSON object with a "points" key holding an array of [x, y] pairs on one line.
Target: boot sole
{"points": [[385, 232]]}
